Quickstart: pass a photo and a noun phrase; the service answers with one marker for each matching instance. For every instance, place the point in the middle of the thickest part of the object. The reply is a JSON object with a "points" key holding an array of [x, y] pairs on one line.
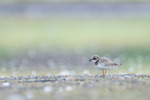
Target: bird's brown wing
{"points": [[107, 62]]}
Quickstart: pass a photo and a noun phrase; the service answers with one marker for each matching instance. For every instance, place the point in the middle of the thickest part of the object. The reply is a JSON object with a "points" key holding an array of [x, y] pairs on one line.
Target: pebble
{"points": [[69, 88], [6, 84], [47, 89]]}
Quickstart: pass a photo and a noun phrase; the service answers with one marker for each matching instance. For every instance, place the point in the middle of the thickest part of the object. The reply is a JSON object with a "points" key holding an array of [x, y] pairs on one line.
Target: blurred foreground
{"points": [[82, 87]]}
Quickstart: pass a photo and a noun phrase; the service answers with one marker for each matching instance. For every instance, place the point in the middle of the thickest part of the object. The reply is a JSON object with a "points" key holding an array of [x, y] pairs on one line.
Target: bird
{"points": [[103, 63]]}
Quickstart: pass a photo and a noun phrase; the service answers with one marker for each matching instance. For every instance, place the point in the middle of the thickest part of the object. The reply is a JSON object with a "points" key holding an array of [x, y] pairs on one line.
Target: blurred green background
{"points": [[63, 35]]}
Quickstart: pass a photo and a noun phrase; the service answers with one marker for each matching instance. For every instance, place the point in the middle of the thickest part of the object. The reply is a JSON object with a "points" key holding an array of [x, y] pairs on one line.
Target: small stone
{"points": [[47, 89], [69, 88], [6, 84]]}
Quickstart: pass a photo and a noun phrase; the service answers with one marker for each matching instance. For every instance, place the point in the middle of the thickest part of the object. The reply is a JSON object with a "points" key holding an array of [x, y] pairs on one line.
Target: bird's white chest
{"points": [[101, 66]]}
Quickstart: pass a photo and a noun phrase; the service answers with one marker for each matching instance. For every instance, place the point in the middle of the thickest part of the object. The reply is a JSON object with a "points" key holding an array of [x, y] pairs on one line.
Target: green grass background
{"points": [[126, 36], [18, 33]]}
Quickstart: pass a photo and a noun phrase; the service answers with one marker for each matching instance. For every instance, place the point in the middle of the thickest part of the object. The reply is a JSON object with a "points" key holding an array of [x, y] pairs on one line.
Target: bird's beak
{"points": [[90, 60]]}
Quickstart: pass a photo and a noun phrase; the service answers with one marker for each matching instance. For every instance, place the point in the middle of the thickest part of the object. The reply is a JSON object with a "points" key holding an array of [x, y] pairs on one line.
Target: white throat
{"points": [[94, 61]]}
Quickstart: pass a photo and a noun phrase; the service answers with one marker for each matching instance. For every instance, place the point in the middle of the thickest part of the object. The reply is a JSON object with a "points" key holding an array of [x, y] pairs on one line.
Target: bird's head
{"points": [[94, 58]]}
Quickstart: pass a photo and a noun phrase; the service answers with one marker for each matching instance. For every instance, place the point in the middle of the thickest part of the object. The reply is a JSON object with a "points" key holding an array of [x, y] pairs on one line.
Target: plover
{"points": [[103, 63]]}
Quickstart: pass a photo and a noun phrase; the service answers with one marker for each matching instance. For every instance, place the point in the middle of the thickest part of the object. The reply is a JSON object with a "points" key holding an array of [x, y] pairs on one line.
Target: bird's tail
{"points": [[118, 64]]}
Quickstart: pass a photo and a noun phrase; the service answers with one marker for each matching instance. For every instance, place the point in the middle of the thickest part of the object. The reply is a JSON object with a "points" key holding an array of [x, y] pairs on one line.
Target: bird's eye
{"points": [[94, 58]]}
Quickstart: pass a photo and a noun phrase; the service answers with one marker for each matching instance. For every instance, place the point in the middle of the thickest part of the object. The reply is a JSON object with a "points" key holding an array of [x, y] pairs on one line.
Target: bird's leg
{"points": [[103, 72]]}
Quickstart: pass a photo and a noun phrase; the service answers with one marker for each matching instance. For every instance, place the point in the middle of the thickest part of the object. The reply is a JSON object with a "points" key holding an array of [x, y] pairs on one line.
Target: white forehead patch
{"points": [[95, 56]]}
